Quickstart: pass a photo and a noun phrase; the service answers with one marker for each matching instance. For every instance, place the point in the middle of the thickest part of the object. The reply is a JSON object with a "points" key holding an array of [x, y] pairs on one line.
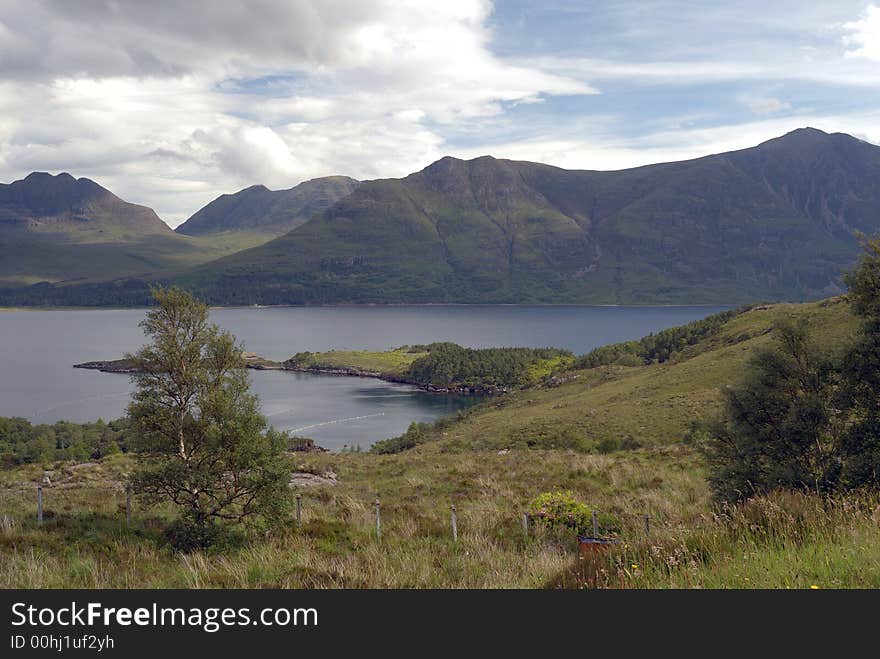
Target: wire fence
{"points": [[43, 504]]}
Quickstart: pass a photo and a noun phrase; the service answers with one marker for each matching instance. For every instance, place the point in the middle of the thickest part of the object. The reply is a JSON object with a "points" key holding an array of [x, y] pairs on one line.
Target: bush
{"points": [[24, 443], [559, 511], [187, 535], [659, 347], [448, 364], [781, 428]]}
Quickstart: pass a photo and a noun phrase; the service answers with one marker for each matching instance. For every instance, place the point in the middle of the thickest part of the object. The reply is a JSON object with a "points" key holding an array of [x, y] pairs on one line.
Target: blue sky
{"points": [[170, 104]]}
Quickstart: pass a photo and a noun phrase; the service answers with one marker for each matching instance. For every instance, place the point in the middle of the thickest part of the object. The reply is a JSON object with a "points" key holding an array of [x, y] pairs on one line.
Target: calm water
{"points": [[38, 348]]}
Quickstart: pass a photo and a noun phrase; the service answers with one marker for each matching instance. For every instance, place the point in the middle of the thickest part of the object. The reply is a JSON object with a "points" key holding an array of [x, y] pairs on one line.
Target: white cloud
{"points": [[863, 36], [171, 104], [762, 105], [248, 92]]}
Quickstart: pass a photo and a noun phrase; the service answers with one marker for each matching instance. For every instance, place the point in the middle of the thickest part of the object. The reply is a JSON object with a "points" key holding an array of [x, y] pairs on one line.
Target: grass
{"points": [[390, 362], [83, 542], [780, 541]]}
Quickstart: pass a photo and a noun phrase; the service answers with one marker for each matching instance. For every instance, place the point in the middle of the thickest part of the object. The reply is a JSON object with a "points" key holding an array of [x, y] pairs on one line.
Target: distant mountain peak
{"points": [[273, 212], [41, 197], [806, 130]]}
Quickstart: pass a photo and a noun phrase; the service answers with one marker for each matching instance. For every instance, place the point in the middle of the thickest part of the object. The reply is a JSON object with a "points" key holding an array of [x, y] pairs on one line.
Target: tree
{"points": [[200, 439], [782, 427], [862, 372]]}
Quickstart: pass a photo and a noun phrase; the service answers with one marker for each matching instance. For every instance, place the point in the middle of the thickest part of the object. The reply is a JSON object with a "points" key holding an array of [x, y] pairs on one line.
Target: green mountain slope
{"points": [[62, 229], [269, 212], [776, 221]]}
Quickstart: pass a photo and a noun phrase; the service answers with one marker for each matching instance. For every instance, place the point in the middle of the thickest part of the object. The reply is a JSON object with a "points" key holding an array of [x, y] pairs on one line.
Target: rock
{"points": [[110, 366], [304, 445], [504, 451], [82, 465], [307, 479]]}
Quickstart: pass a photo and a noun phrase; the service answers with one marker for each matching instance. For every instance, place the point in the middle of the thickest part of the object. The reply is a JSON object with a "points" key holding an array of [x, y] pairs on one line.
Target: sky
{"points": [[170, 104]]}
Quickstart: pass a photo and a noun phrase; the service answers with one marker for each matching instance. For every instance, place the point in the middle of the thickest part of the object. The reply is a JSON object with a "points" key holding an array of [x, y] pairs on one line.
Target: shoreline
{"points": [[256, 363], [396, 305]]}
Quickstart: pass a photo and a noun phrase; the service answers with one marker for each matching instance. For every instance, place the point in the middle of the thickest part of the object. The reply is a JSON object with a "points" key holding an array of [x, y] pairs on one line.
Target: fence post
{"points": [[299, 509], [525, 523], [647, 525], [40, 505], [128, 505], [378, 521], [595, 525], [454, 525]]}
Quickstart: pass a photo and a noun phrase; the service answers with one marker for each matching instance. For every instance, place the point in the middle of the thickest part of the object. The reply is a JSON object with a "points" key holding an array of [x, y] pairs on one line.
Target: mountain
{"points": [[776, 221], [66, 229], [271, 212]]}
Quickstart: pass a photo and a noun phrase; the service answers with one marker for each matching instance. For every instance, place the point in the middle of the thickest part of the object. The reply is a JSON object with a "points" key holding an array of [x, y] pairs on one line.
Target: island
{"points": [[445, 368]]}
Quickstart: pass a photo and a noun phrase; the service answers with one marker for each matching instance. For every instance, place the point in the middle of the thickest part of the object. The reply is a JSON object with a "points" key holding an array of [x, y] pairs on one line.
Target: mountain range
{"points": [[779, 221]]}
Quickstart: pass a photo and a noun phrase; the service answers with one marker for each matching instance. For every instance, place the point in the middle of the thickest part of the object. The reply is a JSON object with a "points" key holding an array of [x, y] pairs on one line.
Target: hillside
{"points": [[268, 212], [777, 221], [63, 229], [614, 406]]}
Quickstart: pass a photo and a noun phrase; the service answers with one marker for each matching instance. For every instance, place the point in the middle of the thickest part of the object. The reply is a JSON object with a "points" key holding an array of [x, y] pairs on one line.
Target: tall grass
{"points": [[783, 540]]}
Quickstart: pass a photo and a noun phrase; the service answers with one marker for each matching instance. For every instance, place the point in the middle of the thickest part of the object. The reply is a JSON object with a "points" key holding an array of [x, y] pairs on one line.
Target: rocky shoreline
{"points": [[255, 362]]}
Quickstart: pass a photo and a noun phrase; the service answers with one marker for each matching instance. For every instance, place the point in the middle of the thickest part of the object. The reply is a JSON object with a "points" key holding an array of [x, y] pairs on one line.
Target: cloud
{"points": [[171, 104], [863, 36], [763, 105]]}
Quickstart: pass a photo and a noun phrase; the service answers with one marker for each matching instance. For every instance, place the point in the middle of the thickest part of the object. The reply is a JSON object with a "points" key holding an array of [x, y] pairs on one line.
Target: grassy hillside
{"points": [[650, 405]]}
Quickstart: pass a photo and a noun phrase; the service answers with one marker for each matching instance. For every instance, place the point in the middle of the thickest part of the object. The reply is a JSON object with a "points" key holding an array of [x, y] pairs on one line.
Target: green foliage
{"points": [[861, 370], [659, 347], [781, 428], [559, 510], [413, 436], [864, 281], [804, 419], [448, 365], [198, 434], [22, 443]]}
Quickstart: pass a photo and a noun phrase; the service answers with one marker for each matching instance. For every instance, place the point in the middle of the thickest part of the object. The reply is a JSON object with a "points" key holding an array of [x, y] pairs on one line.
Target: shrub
{"points": [[559, 511]]}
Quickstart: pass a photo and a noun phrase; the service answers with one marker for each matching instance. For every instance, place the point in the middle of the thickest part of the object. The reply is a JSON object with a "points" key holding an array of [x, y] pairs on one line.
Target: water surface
{"points": [[38, 348]]}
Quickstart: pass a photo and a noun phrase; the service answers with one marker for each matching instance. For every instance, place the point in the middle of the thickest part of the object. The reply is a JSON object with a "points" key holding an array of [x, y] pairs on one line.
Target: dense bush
{"points": [[413, 436], [782, 426], [803, 419], [448, 364], [659, 347], [21, 442]]}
